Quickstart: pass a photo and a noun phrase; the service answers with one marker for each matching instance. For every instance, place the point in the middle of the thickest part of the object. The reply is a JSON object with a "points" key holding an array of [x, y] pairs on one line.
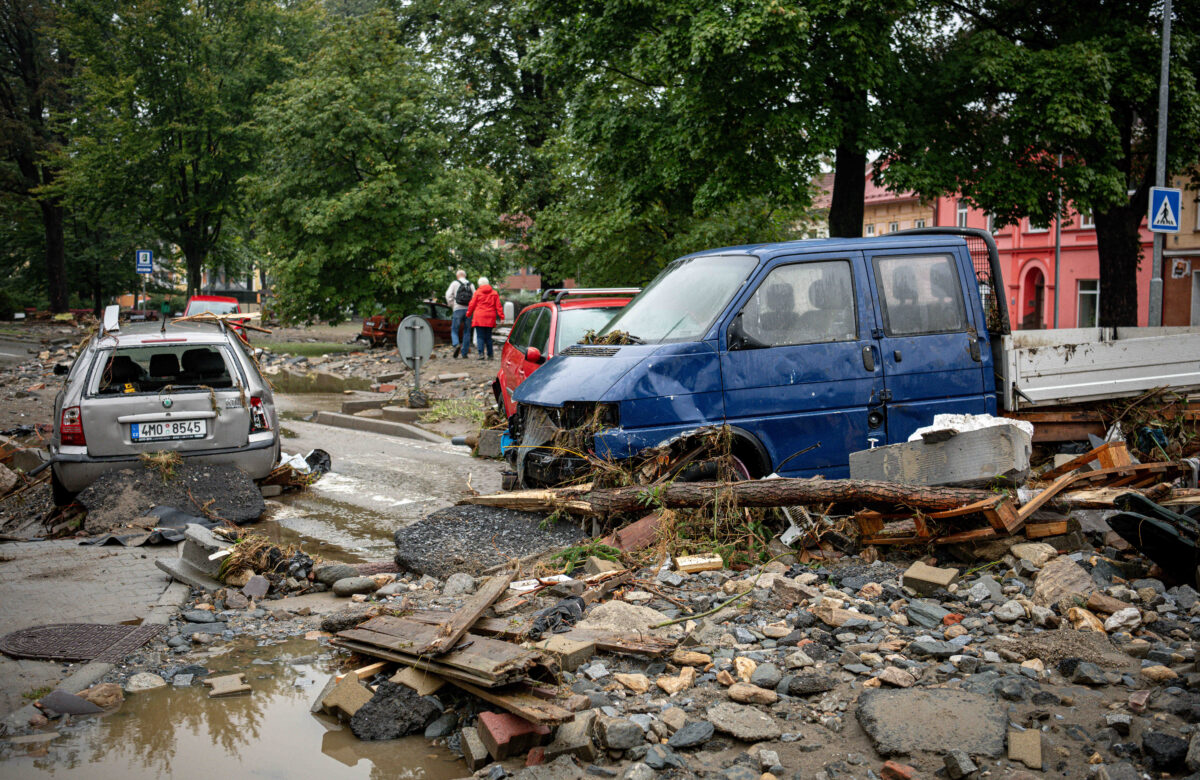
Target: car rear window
{"points": [[161, 368], [216, 307], [573, 324]]}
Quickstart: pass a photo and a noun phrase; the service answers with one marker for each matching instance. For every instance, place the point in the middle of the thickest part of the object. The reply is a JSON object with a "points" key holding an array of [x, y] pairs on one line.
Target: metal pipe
{"points": [[1154, 316]]}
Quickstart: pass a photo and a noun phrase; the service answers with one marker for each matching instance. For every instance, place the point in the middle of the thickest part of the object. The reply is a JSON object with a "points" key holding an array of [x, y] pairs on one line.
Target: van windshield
{"points": [[161, 368], [684, 300]]}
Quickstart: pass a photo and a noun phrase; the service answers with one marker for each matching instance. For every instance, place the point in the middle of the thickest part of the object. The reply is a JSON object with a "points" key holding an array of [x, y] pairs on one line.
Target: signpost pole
{"points": [[1160, 167], [412, 332]]}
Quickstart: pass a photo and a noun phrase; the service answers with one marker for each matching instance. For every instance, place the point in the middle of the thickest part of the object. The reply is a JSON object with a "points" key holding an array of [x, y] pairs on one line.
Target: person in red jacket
{"points": [[485, 312]]}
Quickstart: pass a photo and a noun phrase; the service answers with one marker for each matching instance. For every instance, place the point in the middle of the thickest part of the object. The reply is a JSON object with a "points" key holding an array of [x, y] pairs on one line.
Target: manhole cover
{"points": [[77, 641]]}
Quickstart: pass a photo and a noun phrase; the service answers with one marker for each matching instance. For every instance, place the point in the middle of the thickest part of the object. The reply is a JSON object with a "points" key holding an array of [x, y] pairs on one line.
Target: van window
{"points": [[153, 369], [684, 300], [920, 295], [805, 303]]}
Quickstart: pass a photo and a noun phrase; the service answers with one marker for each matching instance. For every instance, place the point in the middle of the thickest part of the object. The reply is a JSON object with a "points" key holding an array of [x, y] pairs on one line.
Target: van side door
{"points": [[798, 364], [932, 359]]}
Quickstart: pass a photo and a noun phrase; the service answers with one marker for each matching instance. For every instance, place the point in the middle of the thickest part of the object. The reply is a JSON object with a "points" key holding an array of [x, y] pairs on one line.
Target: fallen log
{"points": [[753, 493]]}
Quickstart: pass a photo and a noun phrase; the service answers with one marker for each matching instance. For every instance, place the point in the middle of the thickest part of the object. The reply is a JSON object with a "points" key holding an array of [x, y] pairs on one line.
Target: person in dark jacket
{"points": [[485, 312]]}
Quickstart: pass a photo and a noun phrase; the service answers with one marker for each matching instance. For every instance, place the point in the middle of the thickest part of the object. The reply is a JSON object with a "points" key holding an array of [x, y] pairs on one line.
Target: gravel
{"points": [[473, 538]]}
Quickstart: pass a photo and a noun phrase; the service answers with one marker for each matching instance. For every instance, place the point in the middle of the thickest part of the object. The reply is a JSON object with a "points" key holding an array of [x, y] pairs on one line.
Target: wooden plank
{"points": [[370, 670], [1074, 463], [696, 563], [869, 522], [919, 523], [1004, 517], [522, 702], [1042, 530], [592, 595], [1043, 498], [438, 669], [605, 641], [975, 535], [452, 630], [967, 509], [1113, 455]]}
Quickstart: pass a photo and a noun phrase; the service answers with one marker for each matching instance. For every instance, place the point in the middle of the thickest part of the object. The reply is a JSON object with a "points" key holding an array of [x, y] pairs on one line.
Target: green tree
{"points": [[34, 65], [988, 103], [699, 104], [507, 109], [168, 90], [359, 200]]}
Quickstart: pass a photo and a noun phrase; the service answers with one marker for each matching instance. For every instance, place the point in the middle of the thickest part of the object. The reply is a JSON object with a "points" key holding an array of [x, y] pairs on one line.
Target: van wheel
{"points": [[58, 491], [708, 470]]}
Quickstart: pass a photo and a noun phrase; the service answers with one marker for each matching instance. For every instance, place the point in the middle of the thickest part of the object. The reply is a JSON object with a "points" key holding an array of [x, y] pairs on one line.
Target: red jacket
{"points": [[486, 309]]}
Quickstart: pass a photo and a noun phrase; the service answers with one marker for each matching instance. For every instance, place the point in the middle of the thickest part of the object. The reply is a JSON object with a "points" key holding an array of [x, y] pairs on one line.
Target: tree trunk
{"points": [[56, 257], [849, 188], [1118, 244], [194, 258], [754, 493]]}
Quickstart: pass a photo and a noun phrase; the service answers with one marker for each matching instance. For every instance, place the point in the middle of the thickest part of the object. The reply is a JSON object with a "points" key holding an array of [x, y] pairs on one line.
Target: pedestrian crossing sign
{"points": [[1165, 209]]}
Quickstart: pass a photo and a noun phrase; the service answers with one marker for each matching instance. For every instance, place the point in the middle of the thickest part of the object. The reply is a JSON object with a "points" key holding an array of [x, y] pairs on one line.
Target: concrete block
{"points": [[386, 427], [925, 579], [424, 683], [346, 697], [570, 653], [199, 544], [489, 443], [401, 414], [597, 565], [505, 734], [1026, 747], [189, 575], [969, 459], [475, 753], [574, 738], [356, 405]]}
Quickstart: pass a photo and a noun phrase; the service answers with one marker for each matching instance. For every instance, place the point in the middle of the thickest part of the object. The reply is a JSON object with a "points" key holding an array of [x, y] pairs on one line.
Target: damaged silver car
{"points": [[189, 387]]}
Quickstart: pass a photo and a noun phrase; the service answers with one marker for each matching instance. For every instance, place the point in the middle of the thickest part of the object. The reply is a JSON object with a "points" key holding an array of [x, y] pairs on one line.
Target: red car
{"points": [[218, 304], [380, 329], [546, 328]]}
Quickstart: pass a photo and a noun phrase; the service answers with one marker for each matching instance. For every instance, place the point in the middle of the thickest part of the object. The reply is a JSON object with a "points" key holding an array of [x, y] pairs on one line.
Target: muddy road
{"points": [[378, 483]]}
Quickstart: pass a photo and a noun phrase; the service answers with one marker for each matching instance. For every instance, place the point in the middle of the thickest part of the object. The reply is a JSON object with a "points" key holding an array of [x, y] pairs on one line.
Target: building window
{"points": [[963, 210], [918, 223], [1088, 310], [870, 231], [1087, 221], [1035, 228], [991, 224], [893, 227], [1197, 202]]}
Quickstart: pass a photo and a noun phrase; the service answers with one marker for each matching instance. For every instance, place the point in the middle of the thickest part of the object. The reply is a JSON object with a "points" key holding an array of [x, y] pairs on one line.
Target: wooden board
{"points": [[521, 701], [462, 619], [1042, 530]]}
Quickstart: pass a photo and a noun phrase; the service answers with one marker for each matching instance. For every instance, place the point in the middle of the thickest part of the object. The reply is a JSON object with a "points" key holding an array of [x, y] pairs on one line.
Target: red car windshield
{"points": [[573, 324]]}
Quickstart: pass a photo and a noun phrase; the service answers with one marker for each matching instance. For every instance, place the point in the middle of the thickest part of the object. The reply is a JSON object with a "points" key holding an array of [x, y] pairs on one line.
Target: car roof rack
{"points": [[558, 293]]}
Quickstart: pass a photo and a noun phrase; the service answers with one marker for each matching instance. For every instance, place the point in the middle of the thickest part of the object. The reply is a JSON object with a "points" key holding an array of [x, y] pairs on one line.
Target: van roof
{"points": [[777, 249]]}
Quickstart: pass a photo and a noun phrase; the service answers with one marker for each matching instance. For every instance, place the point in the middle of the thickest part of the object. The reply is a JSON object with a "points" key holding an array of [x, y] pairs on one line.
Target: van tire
{"points": [[58, 491]]}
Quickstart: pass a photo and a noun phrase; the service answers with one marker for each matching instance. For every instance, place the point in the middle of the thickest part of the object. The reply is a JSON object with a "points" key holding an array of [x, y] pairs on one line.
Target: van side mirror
{"points": [[534, 355], [736, 336], [62, 369]]}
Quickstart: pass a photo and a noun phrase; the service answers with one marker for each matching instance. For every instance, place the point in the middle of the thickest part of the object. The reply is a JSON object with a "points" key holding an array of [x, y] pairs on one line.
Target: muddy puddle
{"points": [[268, 733]]}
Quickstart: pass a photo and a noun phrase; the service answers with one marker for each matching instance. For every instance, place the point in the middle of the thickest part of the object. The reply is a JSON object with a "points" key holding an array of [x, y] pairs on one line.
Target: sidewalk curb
{"points": [[85, 676]]}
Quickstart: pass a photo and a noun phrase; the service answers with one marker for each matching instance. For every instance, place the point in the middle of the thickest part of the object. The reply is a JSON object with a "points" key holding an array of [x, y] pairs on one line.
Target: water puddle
{"points": [[268, 733]]}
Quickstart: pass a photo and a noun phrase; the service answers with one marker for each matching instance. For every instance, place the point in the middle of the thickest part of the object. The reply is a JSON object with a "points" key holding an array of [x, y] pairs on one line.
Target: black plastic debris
{"points": [[1170, 539], [557, 619]]}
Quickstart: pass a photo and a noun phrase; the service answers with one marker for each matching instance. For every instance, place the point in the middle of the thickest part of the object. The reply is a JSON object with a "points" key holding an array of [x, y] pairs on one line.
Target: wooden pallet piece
{"points": [[869, 522], [523, 701], [1004, 517], [1042, 530], [1112, 454], [462, 619]]}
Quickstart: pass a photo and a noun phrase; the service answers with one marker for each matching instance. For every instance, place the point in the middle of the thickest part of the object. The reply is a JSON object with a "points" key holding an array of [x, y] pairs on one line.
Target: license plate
{"points": [[173, 429]]}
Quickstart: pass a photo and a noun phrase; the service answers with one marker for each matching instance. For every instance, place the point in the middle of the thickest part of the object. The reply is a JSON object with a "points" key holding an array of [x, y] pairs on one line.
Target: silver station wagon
{"points": [[187, 387]]}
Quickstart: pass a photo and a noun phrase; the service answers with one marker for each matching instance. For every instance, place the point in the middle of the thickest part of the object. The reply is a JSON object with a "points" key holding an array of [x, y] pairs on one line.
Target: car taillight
{"points": [[70, 429], [258, 416]]}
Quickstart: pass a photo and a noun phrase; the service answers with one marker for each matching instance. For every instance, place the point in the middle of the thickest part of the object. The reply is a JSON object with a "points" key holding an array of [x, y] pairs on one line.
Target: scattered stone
{"points": [[144, 681], [926, 614], [475, 753], [1165, 752], [1026, 747], [442, 726], [104, 695], [1084, 620], [896, 677], [352, 585], [959, 765], [673, 685], [574, 738], [663, 757], [329, 573], [1036, 553], [256, 587], [926, 579], [458, 584], [746, 693], [899, 722], [1159, 673], [690, 658], [691, 734], [346, 697], [569, 653], [810, 683], [1087, 673], [743, 722], [744, 668], [198, 616], [638, 683], [1009, 612], [618, 733], [1060, 579]]}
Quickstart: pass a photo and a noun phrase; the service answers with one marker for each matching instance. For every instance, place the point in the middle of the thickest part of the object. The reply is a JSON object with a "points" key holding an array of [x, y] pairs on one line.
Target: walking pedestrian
{"points": [[485, 311], [458, 298]]}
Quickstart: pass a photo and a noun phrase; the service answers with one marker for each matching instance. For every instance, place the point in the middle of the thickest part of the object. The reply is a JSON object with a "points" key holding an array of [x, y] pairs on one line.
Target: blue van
{"points": [[808, 350]]}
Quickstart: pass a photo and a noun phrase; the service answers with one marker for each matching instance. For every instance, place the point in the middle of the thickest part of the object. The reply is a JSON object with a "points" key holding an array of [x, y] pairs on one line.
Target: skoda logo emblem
{"points": [[166, 403]]}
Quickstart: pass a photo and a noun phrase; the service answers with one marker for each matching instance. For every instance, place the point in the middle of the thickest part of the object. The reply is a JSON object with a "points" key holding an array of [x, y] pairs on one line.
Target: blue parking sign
{"points": [[1166, 207], [145, 261]]}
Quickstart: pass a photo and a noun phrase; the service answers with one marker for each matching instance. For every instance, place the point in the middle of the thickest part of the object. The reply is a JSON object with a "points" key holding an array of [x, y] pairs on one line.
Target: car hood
{"points": [[607, 374]]}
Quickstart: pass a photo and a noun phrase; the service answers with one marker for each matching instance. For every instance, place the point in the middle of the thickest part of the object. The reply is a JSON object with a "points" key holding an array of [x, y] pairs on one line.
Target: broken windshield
{"points": [[684, 300]]}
